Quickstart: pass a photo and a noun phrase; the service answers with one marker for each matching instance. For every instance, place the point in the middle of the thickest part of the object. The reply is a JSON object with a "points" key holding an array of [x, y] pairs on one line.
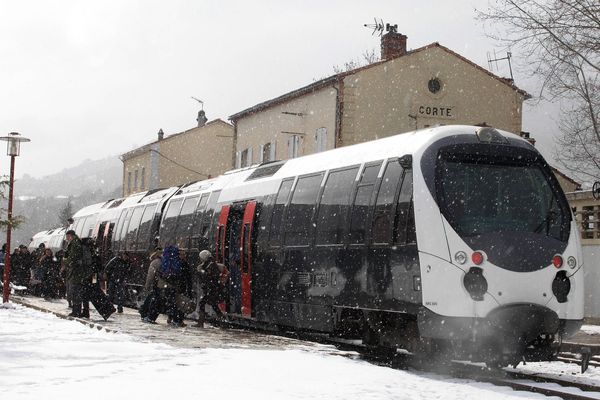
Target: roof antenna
{"points": [[377, 27], [199, 101], [494, 62]]}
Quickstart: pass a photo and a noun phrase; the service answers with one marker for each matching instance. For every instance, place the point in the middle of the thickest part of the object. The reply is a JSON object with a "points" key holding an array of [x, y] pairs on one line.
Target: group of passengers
{"points": [[37, 271], [169, 284], [170, 291]]}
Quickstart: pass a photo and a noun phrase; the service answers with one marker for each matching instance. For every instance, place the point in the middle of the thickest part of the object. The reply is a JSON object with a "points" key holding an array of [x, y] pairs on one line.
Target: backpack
{"points": [[86, 252], [170, 266]]}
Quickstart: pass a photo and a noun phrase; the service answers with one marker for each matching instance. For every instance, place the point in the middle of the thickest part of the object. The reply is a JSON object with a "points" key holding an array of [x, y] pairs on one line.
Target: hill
{"points": [[40, 200]]}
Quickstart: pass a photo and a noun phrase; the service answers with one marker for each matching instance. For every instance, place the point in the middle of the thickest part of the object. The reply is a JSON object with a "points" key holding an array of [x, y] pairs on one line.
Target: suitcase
{"points": [[101, 302]]}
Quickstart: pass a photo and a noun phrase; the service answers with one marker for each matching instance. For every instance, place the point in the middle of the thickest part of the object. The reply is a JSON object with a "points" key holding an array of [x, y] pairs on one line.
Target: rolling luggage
{"points": [[101, 302]]}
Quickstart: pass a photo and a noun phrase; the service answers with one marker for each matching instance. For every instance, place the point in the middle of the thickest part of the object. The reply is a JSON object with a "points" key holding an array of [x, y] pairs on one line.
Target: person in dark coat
{"points": [[168, 283], [79, 275], [213, 278], [184, 290], [116, 271], [151, 289], [50, 266]]}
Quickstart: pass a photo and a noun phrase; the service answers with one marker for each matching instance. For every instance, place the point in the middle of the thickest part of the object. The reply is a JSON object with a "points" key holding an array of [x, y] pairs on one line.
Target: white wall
{"points": [[591, 259]]}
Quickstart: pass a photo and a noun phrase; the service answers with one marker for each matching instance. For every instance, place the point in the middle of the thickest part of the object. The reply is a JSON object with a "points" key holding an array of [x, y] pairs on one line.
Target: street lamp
{"points": [[13, 148]]}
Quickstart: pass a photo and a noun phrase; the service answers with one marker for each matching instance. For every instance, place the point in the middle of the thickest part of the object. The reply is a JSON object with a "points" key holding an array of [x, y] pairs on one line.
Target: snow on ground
{"points": [[565, 371], [591, 329], [42, 355]]}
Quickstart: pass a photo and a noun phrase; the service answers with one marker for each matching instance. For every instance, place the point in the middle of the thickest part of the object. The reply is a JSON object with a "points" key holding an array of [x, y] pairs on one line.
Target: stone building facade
{"points": [[406, 90], [195, 154]]}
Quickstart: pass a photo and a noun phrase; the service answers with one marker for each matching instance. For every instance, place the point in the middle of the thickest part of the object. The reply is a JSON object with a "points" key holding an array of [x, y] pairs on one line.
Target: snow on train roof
{"points": [[89, 210], [392, 146], [235, 184]]}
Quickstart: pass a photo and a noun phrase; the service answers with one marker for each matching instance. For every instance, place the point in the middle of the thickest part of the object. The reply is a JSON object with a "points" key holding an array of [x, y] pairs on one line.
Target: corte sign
{"points": [[435, 111]]}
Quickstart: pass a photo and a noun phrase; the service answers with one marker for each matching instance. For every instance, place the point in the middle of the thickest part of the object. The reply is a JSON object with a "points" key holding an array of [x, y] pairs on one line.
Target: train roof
{"points": [[259, 179], [90, 210]]}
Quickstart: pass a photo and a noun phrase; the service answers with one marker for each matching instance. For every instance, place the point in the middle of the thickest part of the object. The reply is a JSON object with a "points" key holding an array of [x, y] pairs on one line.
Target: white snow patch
{"points": [[42, 356], [591, 329]]}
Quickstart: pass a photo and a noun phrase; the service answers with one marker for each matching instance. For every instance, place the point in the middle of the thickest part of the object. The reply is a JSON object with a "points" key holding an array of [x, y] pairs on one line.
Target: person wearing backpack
{"points": [[167, 284], [79, 272]]}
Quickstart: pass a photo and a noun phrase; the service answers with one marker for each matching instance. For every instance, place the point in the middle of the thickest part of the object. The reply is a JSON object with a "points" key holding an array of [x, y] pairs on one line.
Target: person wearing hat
{"points": [[147, 308], [78, 275], [213, 277]]}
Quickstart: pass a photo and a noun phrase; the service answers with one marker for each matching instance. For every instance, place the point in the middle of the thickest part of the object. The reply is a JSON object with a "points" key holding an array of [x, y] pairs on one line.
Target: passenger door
{"points": [[247, 257], [221, 234]]}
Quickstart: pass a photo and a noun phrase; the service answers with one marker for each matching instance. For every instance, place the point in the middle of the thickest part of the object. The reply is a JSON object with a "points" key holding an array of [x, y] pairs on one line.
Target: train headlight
{"points": [[571, 262], [477, 258], [460, 257], [557, 261]]}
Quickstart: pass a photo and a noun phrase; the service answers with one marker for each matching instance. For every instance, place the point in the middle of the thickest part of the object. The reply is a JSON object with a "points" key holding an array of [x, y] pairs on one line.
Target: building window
{"points": [[293, 146], [129, 182], [267, 152], [246, 158], [135, 180], [320, 140], [143, 184]]}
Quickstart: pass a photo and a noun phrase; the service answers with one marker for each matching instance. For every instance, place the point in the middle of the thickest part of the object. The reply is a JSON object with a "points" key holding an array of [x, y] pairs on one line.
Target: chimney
{"points": [[527, 136], [161, 135], [393, 44], [201, 118]]}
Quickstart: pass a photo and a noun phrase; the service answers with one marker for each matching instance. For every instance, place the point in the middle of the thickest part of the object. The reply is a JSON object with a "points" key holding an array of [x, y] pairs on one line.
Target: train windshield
{"points": [[483, 195]]}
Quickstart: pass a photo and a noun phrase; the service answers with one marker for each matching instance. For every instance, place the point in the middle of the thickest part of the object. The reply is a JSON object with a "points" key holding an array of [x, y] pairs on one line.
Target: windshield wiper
{"points": [[550, 218]]}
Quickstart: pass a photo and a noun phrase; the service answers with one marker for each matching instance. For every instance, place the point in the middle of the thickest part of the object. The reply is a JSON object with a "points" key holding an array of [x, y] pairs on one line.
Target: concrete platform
{"points": [[129, 322], [215, 337]]}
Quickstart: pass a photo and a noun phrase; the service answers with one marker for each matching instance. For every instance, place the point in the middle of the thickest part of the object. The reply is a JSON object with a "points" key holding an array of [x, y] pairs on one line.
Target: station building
{"points": [[404, 91], [195, 154]]}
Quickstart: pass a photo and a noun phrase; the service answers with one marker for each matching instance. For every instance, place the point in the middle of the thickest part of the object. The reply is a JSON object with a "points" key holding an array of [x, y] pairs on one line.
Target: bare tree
{"points": [[560, 40], [367, 57], [65, 213]]}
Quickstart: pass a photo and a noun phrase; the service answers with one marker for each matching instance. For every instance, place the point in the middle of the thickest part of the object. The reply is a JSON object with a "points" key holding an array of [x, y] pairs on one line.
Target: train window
{"points": [[77, 225], [118, 228], [360, 213], [369, 174], [198, 221], [277, 214], [331, 218], [169, 222], [123, 232], [404, 232], [184, 223], [145, 225], [208, 214], [132, 229], [383, 216], [299, 216]]}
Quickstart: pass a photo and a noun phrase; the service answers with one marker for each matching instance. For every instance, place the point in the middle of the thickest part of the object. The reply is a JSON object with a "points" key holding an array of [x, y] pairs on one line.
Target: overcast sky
{"points": [[88, 80]]}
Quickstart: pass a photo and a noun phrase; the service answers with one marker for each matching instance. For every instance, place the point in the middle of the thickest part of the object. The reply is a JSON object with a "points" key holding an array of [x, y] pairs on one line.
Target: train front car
{"points": [[499, 250]]}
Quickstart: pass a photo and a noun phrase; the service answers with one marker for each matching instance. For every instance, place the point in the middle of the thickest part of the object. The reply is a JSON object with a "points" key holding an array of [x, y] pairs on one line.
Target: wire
{"points": [[176, 163]]}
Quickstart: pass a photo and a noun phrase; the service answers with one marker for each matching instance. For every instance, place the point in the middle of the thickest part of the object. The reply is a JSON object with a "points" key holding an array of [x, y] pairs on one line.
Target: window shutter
{"points": [[249, 162], [238, 159], [261, 149], [272, 151]]}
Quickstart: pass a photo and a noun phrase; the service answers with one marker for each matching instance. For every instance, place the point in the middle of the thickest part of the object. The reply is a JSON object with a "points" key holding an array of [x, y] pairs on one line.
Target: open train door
{"points": [[221, 234], [221, 242], [246, 258]]}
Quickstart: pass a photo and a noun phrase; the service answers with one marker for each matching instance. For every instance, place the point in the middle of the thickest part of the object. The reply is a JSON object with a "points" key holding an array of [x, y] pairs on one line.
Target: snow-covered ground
{"points": [[42, 356]]}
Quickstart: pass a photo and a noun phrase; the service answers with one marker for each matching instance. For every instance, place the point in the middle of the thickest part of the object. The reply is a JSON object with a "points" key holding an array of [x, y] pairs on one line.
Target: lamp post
{"points": [[13, 147]]}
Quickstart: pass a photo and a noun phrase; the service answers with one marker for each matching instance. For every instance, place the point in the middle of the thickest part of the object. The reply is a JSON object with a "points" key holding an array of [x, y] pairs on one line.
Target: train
{"points": [[453, 239]]}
